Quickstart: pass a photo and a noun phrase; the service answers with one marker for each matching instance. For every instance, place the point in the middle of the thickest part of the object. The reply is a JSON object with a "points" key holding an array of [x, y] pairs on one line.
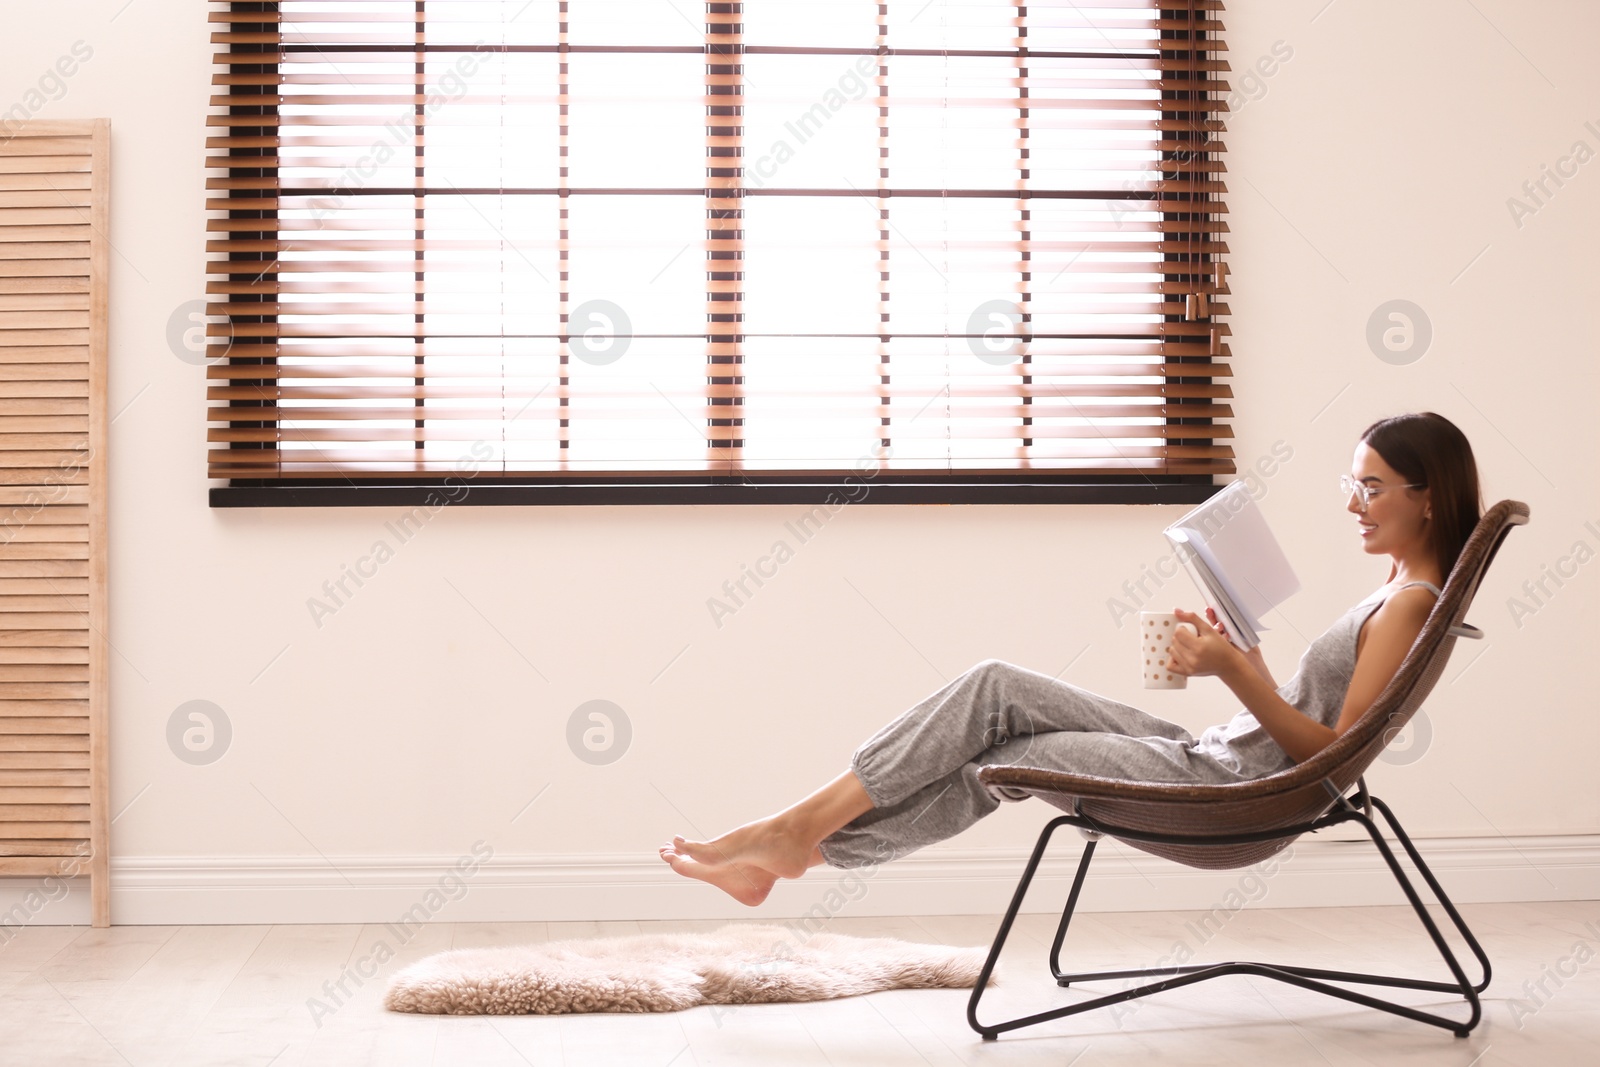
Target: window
{"points": [[607, 250]]}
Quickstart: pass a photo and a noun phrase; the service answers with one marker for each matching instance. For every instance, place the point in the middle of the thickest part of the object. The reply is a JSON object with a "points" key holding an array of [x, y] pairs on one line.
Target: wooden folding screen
{"points": [[54, 187]]}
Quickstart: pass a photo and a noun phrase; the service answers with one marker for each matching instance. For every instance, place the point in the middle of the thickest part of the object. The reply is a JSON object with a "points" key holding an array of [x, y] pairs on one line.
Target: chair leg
{"points": [[1312, 978], [1438, 892], [1010, 917], [1066, 913], [1180, 975], [1462, 985]]}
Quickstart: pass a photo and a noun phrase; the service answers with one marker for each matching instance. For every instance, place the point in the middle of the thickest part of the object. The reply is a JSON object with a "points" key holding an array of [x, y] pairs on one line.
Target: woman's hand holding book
{"points": [[1254, 655]]}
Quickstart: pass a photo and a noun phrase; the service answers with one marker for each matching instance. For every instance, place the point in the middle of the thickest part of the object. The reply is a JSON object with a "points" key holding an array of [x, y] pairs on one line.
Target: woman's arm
{"points": [[1254, 655], [1260, 664], [1297, 734], [1211, 653], [1390, 632]]}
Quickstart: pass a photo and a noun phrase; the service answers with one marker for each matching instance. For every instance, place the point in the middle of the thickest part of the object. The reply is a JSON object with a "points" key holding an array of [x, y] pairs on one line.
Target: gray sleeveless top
{"points": [[1317, 689]]}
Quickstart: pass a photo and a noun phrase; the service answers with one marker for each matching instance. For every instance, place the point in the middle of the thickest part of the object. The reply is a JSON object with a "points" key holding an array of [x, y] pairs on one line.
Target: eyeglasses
{"points": [[1364, 492]]}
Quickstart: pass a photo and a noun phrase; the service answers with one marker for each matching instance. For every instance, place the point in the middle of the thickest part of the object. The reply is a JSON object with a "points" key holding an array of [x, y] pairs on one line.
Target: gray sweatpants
{"points": [[921, 770]]}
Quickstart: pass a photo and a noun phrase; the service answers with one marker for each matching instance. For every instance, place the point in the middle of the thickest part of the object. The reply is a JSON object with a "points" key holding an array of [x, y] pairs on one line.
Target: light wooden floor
{"points": [[215, 995]]}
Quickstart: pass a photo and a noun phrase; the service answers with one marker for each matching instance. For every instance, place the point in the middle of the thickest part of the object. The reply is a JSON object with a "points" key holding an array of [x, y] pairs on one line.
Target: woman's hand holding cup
{"points": [[1204, 651], [1158, 631]]}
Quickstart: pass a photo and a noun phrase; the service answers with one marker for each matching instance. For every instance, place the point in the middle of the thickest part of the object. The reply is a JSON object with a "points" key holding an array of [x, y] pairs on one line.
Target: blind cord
{"points": [[944, 215]]}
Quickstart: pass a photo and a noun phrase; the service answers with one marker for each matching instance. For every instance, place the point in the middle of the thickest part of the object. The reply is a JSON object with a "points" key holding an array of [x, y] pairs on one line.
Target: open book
{"points": [[1235, 561]]}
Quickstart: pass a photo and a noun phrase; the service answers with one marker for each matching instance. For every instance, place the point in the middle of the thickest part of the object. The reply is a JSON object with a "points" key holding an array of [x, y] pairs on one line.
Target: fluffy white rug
{"points": [[743, 963]]}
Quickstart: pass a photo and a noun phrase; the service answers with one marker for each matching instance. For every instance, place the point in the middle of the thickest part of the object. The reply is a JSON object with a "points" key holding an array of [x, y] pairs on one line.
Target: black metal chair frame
{"points": [[1357, 807]]}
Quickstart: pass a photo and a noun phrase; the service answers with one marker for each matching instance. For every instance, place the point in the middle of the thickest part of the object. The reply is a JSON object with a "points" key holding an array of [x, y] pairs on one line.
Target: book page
{"points": [[1240, 632], [1231, 535]]}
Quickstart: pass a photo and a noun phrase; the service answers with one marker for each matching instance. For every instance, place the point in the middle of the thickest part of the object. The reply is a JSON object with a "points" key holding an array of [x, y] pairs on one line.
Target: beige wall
{"points": [[1375, 164]]}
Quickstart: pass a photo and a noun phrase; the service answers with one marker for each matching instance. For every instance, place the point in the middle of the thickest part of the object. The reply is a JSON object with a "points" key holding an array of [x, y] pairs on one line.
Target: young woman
{"points": [[1413, 489]]}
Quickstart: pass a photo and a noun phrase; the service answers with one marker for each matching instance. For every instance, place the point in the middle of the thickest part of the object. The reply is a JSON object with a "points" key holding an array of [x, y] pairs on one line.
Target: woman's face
{"points": [[1393, 523]]}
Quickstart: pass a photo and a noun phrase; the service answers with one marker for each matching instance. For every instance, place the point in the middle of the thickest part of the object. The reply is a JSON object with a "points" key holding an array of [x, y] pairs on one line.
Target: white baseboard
{"points": [[1317, 872]]}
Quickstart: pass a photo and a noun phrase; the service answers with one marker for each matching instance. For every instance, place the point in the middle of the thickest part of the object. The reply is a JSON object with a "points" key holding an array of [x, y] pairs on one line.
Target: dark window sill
{"points": [[485, 492]]}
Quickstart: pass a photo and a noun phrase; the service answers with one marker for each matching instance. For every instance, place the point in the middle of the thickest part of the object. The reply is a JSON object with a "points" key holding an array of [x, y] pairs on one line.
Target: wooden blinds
{"points": [[54, 685], [592, 239]]}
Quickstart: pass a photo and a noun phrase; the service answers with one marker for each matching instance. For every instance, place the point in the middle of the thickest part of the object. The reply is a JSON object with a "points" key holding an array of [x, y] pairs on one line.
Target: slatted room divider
{"points": [[53, 668]]}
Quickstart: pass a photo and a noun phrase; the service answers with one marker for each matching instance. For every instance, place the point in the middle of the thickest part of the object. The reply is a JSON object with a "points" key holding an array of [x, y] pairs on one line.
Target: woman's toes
{"points": [[702, 851]]}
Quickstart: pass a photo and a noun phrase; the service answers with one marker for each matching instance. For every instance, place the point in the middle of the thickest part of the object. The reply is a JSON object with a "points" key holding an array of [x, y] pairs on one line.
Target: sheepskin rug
{"points": [[743, 963]]}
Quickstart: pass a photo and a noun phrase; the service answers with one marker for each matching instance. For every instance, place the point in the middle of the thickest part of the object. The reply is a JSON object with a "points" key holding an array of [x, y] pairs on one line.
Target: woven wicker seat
{"points": [[1232, 826]]}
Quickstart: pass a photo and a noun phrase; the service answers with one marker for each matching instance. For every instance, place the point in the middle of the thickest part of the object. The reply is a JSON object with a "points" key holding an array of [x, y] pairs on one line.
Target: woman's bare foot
{"points": [[748, 885], [767, 844], [744, 863]]}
